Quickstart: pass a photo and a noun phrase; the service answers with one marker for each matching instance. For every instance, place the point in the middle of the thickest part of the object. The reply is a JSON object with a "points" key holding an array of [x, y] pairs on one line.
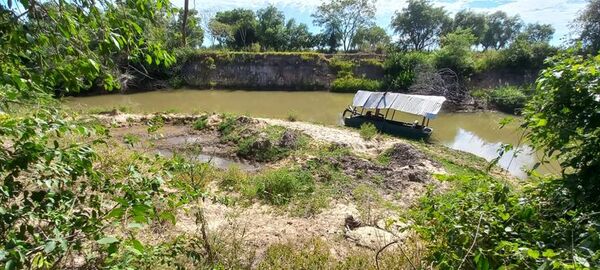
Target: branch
{"points": [[472, 244]]}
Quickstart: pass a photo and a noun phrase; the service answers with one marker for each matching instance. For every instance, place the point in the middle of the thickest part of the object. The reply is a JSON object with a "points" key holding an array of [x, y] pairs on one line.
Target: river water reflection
{"points": [[477, 133]]}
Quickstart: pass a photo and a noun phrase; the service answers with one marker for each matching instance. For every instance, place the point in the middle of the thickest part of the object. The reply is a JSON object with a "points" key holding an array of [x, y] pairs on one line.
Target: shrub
{"points": [[279, 186], [491, 225], [400, 69], [227, 124], [508, 99], [350, 84], [341, 67], [562, 117], [368, 131], [201, 123]]}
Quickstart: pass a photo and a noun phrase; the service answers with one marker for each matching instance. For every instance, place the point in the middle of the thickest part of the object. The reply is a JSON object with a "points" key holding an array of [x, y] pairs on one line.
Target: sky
{"points": [[558, 13]]}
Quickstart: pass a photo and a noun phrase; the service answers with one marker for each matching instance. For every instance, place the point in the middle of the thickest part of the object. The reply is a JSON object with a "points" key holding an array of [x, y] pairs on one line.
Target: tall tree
{"points": [[537, 33], [271, 29], [370, 38], [222, 33], [298, 36], [473, 21], [420, 24], [589, 26], [342, 18], [242, 23], [194, 34], [184, 22], [502, 29]]}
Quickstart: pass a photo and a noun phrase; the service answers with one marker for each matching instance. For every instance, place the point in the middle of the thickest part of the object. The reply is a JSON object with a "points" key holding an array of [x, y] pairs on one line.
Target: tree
{"points": [[502, 29], [562, 119], [456, 53], [420, 24], [55, 201], [242, 23], [537, 33], [184, 19], [370, 38], [299, 38], [221, 32], [194, 34], [271, 31], [473, 21], [589, 26], [340, 19]]}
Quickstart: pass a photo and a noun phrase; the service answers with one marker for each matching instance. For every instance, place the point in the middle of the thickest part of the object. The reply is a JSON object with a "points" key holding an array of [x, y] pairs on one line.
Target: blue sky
{"points": [[559, 13]]}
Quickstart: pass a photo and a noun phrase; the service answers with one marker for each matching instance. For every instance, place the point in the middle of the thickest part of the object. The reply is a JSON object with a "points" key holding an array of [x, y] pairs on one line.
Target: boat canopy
{"points": [[426, 106]]}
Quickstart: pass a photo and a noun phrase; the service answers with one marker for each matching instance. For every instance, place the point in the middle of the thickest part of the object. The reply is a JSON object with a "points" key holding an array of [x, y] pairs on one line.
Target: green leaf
{"points": [[505, 216], [94, 64], [134, 225], [541, 123], [137, 245], [107, 240], [549, 253], [49, 246], [148, 59], [532, 253]]}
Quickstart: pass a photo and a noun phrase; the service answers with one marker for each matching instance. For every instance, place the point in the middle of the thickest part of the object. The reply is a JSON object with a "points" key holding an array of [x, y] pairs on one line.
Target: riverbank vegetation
{"points": [[117, 190]]}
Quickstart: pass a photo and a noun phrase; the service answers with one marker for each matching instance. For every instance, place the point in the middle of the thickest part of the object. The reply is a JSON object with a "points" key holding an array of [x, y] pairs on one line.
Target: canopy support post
{"points": [[423, 122], [394, 113], [386, 114], [427, 121]]}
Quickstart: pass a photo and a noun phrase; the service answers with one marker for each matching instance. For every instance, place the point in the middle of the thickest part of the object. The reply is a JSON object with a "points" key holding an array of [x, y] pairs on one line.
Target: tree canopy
{"points": [[589, 26], [420, 24], [343, 18]]}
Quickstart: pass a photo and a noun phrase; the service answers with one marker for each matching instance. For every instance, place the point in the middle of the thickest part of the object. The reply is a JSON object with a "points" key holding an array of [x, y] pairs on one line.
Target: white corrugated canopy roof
{"points": [[427, 106]]}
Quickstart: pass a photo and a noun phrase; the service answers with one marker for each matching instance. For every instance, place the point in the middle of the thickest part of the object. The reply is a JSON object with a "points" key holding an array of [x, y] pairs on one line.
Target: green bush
{"points": [[280, 186], [368, 131], [521, 56], [400, 69], [508, 99], [341, 67], [490, 225], [564, 122], [350, 84]]}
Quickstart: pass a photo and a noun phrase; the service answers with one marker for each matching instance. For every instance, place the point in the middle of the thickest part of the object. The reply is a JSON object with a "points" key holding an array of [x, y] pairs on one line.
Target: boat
{"points": [[366, 108]]}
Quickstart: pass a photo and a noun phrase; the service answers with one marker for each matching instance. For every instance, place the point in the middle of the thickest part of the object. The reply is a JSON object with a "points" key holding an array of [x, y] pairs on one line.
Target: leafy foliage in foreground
{"points": [[484, 223], [56, 200], [563, 118]]}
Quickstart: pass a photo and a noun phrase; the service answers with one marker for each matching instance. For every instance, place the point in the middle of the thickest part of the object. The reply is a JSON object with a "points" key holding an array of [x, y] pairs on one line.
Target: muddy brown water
{"points": [[478, 133]]}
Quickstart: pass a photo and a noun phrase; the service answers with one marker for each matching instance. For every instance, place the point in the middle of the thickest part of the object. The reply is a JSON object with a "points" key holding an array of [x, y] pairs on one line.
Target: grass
{"points": [[315, 254], [367, 200], [280, 186], [368, 131], [201, 123]]}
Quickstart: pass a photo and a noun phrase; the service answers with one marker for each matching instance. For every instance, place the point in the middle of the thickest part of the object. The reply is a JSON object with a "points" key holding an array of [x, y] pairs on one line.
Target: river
{"points": [[478, 133]]}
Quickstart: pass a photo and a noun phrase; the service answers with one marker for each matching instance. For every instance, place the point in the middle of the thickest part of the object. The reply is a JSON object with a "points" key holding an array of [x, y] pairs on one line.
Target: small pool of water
{"points": [[477, 133]]}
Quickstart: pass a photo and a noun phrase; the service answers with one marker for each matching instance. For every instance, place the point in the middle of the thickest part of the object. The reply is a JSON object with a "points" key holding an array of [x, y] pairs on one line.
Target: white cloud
{"points": [[559, 13]]}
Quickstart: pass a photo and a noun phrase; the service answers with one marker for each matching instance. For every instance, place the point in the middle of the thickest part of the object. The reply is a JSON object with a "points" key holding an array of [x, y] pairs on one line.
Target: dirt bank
{"points": [[364, 181]]}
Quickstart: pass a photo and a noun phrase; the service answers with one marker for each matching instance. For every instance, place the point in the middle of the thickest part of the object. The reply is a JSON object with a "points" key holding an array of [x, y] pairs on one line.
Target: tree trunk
{"points": [[184, 22]]}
